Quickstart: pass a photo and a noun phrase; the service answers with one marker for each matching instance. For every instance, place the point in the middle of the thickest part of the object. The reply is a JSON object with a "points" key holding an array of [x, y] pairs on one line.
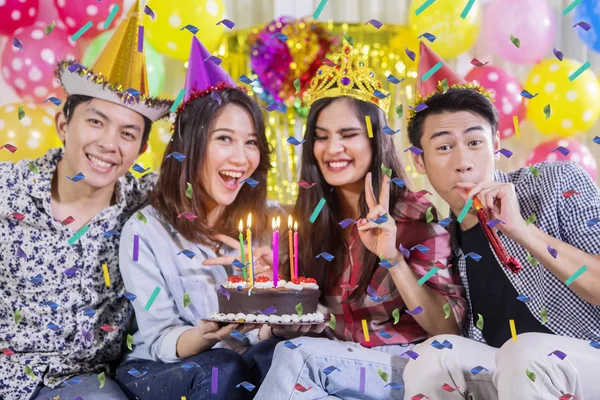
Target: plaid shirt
{"points": [[562, 217], [378, 314]]}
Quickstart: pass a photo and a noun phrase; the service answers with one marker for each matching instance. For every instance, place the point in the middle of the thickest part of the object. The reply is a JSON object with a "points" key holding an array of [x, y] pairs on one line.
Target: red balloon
{"points": [[578, 153], [77, 13], [506, 92], [31, 72], [15, 14]]}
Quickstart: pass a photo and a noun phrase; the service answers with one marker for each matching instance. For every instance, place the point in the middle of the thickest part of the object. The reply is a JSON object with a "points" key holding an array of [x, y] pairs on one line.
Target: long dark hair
{"points": [[325, 234], [190, 138]]}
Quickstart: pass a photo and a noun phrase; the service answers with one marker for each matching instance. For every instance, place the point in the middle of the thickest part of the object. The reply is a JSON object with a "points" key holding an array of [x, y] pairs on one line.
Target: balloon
{"points": [[589, 11], [405, 38], [442, 19], [506, 93], [33, 135], [159, 139], [31, 72], [154, 62], [15, 14], [574, 105], [530, 21], [77, 13], [145, 160], [578, 153], [165, 34]]}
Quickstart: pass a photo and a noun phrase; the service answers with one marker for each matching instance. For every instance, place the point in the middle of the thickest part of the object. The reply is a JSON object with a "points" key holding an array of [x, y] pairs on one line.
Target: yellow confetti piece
{"points": [[365, 330], [513, 329], [183, 398], [517, 127], [369, 127], [106, 275]]}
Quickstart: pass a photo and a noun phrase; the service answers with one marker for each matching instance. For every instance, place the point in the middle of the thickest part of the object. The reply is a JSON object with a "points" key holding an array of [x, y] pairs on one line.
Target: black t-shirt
{"points": [[492, 294]]}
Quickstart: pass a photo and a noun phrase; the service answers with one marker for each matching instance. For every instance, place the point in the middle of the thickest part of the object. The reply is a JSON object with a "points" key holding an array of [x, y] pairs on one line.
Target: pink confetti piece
{"points": [[584, 25], [410, 54], [449, 388], [478, 63], [17, 216], [305, 185], [140, 48], [136, 247], [301, 388], [570, 193], [67, 220], [148, 11], [377, 24], [229, 24], [6, 351], [558, 54], [422, 193], [187, 215], [419, 396], [553, 252], [108, 328], [17, 43]]}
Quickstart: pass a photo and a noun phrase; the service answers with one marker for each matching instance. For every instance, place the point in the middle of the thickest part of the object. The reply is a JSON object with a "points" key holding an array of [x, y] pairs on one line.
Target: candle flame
{"points": [[273, 224], [241, 226], [278, 222], [290, 222], [296, 226], [249, 222]]}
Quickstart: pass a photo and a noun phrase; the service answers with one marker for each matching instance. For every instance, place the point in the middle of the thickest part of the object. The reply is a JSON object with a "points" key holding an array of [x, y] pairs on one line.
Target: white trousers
{"points": [[506, 378]]}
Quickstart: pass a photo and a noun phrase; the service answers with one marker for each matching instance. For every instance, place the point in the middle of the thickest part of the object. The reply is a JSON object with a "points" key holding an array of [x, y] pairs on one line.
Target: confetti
{"points": [[54, 100], [515, 41], [524, 298], [380, 95], [467, 9], [112, 15], [139, 169], [229, 24], [595, 344], [505, 152], [398, 182], [135, 373], [319, 9], [224, 292], [280, 36], [558, 354], [418, 310], [383, 375], [428, 215], [444, 345], [291, 345], [534, 171], [553, 252], [362, 379], [392, 79], [178, 156], [215, 96], [297, 85], [386, 264], [293, 141], [347, 222], [365, 330], [140, 48], [410, 54], [21, 254], [396, 315], [53, 327], [478, 63], [305, 185], [17, 317], [174, 107], [592, 222], [136, 247], [579, 71], [106, 275], [530, 375], [575, 275], [531, 219], [214, 59], [215, 380], [141, 217], [571, 6], [446, 310], [570, 193], [190, 28], [71, 272], [317, 210], [298, 386], [29, 372], [246, 385], [389, 131], [299, 309], [423, 6], [78, 235], [428, 275], [596, 139], [566, 396], [584, 25], [331, 369], [108, 328], [513, 329], [246, 80], [369, 126], [528, 95], [432, 71], [187, 215], [188, 253], [332, 322], [410, 354], [547, 111], [465, 210], [377, 24], [273, 106], [250, 181], [558, 54], [394, 385], [152, 298], [400, 111], [237, 334], [50, 27], [76, 178], [148, 11], [421, 248], [420, 107], [268, 311], [82, 31], [349, 39], [544, 315], [445, 222], [386, 171], [415, 150], [87, 335], [479, 323], [446, 387], [189, 190], [495, 222], [326, 256], [478, 369], [428, 36], [7, 352], [17, 43], [380, 220], [129, 342]]}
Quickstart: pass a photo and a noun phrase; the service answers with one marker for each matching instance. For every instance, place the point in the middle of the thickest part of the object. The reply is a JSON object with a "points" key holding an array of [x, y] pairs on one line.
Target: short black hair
{"points": [[76, 99], [454, 100]]}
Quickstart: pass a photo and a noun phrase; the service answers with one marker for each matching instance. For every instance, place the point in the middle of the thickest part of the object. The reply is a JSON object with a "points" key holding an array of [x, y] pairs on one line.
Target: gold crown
{"points": [[349, 76], [442, 88]]}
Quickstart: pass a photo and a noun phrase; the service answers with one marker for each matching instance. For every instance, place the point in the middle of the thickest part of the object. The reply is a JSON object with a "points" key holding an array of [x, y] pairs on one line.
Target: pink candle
{"points": [[295, 249], [275, 251]]}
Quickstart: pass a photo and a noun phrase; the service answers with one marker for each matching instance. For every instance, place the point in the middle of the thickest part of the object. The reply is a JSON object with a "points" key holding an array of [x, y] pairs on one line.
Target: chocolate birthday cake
{"points": [[290, 302]]}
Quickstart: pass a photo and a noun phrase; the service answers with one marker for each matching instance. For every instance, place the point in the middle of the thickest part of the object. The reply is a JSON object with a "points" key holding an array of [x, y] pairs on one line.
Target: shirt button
{"points": [[349, 320], [221, 251]]}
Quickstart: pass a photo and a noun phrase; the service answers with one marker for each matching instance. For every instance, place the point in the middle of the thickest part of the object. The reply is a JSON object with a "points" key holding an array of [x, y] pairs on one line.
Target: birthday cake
{"points": [[290, 302]]}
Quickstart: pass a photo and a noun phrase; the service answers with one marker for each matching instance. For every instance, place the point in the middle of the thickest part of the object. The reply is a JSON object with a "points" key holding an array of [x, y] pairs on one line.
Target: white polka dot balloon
{"points": [[31, 72], [506, 90], [578, 153], [15, 14], [77, 13]]}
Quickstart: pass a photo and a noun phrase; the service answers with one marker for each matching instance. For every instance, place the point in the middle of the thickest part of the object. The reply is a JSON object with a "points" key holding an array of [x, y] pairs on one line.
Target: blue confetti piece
{"points": [[558, 354], [21, 253], [237, 334], [75, 67], [428, 36], [410, 354], [383, 219], [246, 385], [188, 253], [87, 335], [377, 24], [398, 182], [558, 54], [389, 131], [405, 252], [410, 54], [562, 150], [387, 264], [36, 279], [495, 222], [215, 96], [447, 344], [414, 150], [418, 310], [596, 139], [394, 385], [190, 365], [273, 106], [132, 92], [190, 28], [386, 335], [505, 152], [17, 43], [178, 156], [445, 222], [293, 141], [421, 248], [438, 345], [584, 25], [53, 327], [129, 296], [73, 381], [71, 272], [528, 95], [326, 256], [224, 292], [90, 312], [54, 100], [419, 107], [553, 252], [474, 256], [592, 222], [291, 345], [246, 80], [77, 177], [392, 79], [111, 233], [228, 23], [331, 369], [214, 59], [280, 36], [380, 95], [523, 298], [148, 11], [478, 369], [249, 181], [238, 264], [53, 306], [139, 169], [135, 373], [595, 344], [347, 222], [268, 311]]}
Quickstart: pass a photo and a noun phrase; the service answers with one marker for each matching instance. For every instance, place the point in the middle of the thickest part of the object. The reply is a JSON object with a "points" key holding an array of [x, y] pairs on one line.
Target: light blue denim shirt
{"points": [[161, 264]]}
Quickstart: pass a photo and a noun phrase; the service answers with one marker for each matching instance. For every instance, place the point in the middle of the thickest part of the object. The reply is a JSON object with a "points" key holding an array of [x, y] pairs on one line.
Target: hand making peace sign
{"points": [[378, 238]]}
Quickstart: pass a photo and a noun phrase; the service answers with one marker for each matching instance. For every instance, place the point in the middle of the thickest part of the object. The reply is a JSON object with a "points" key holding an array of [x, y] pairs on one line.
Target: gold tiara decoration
{"points": [[442, 87], [348, 76]]}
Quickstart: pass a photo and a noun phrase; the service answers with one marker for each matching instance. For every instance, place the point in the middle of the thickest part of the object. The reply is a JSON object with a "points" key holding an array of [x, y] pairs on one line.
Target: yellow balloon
{"points": [[145, 160], [400, 42], [33, 135], [159, 139], [574, 106], [443, 19], [165, 34]]}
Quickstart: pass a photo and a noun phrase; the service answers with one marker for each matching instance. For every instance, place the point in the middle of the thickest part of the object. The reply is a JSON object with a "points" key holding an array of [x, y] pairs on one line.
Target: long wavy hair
{"points": [[325, 234], [190, 138]]}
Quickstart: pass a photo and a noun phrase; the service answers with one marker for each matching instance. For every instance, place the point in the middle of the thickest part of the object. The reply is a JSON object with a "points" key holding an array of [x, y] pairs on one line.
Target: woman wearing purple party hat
{"points": [[218, 142]]}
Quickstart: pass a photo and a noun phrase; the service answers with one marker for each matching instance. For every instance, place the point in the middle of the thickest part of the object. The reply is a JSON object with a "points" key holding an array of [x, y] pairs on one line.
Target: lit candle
{"points": [[249, 240], [296, 249], [241, 227], [291, 246], [276, 250]]}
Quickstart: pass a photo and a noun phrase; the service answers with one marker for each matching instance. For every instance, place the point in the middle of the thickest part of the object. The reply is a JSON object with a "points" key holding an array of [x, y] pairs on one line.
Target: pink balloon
{"points": [[579, 153], [77, 13], [505, 89], [31, 72], [15, 14], [531, 21]]}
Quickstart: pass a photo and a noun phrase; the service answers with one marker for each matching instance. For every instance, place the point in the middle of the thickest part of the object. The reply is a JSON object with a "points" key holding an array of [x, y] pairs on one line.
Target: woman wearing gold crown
{"points": [[375, 227]]}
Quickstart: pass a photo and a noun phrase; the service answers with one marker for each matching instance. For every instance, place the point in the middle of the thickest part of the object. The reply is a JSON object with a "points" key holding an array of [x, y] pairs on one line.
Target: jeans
{"points": [[88, 388]]}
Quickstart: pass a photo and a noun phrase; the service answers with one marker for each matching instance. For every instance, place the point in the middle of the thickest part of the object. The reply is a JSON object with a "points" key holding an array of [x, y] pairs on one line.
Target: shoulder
{"points": [[144, 222], [543, 175], [137, 191]]}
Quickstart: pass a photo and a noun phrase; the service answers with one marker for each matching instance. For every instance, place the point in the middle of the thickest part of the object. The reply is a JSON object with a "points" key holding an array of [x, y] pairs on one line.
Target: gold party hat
{"points": [[119, 73], [349, 76]]}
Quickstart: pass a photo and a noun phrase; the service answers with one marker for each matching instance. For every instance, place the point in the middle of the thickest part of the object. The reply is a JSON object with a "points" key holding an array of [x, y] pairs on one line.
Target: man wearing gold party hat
{"points": [[529, 308], [63, 304]]}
